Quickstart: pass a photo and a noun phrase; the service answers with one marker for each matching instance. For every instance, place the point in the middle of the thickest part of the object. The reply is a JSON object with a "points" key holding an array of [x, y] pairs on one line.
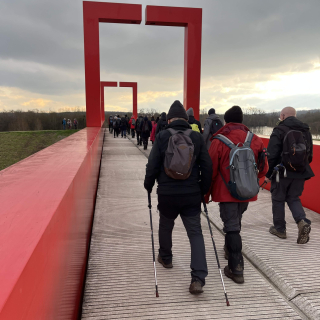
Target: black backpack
{"points": [[296, 149], [145, 127], [216, 125]]}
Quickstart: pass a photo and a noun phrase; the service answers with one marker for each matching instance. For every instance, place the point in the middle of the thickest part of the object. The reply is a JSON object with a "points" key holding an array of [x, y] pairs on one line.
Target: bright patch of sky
{"points": [[263, 54]]}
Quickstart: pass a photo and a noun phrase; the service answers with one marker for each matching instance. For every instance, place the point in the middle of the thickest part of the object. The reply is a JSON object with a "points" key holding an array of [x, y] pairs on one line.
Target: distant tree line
{"points": [[36, 120]]}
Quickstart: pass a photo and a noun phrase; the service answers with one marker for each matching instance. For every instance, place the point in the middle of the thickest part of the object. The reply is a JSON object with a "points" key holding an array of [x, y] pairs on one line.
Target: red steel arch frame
{"points": [[191, 20], [134, 86], [104, 84], [95, 12]]}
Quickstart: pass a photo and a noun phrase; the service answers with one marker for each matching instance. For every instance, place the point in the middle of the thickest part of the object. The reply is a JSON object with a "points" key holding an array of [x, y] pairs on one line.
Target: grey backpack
{"points": [[179, 156], [243, 184]]}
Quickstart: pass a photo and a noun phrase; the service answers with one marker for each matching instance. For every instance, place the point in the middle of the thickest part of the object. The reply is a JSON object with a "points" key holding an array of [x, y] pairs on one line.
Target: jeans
{"points": [[123, 132]]}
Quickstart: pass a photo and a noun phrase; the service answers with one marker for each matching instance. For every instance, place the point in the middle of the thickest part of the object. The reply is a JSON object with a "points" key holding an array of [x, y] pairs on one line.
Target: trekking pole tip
{"points": [[228, 304], [157, 294]]}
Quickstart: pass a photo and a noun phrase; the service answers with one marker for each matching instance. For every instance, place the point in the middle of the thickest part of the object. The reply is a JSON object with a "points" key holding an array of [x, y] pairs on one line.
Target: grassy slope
{"points": [[15, 146]]}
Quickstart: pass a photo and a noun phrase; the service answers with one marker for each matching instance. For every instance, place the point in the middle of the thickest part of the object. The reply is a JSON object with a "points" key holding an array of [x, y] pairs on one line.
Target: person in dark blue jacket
{"points": [[146, 128]]}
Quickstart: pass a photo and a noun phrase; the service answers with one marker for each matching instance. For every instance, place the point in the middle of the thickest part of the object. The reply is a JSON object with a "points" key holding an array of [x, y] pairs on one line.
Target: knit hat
{"points": [[234, 114], [190, 112], [211, 111], [177, 111]]}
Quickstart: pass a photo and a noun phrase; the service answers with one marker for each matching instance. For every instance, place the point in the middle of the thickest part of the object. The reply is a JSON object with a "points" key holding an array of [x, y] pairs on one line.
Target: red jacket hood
{"points": [[227, 128]]}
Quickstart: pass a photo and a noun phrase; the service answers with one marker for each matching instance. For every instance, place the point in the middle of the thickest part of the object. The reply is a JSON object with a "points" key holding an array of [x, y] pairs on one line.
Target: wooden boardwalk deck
{"points": [[120, 282]]}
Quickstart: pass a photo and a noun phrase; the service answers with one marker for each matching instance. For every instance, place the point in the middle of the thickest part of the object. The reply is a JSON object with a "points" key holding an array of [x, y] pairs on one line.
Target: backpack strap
{"points": [[248, 140], [225, 140]]}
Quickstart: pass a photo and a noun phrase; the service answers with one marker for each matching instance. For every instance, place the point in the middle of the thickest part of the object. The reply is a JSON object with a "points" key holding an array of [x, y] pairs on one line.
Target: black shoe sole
{"points": [[304, 235]]}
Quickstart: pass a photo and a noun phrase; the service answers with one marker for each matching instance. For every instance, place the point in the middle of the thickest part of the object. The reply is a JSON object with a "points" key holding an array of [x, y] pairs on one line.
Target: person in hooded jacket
{"points": [[162, 123], [211, 126], [181, 196], [154, 129], [146, 128], [192, 119], [231, 209], [290, 188], [123, 127], [138, 130], [132, 125]]}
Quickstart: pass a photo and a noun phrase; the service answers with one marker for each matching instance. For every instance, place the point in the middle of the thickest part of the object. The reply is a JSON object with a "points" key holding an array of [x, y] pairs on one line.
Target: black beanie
{"points": [[234, 114], [177, 111], [211, 111]]}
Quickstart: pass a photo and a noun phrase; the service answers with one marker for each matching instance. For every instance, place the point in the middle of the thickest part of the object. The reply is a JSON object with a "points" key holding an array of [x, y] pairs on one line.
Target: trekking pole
{"points": [[215, 251], [154, 258]]}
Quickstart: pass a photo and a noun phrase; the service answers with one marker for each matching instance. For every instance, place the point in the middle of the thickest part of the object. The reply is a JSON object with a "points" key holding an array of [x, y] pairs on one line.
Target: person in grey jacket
{"points": [[211, 126]]}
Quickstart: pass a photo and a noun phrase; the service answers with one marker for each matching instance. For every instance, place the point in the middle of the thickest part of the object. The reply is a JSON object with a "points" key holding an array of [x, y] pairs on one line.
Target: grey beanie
{"points": [[190, 112], [177, 111]]}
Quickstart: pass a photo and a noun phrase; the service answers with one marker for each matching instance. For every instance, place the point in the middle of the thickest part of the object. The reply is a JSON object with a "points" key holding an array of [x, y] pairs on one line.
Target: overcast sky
{"points": [[255, 53]]}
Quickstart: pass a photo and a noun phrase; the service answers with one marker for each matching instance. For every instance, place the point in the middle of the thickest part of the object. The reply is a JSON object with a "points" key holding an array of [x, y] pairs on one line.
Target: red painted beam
{"points": [[93, 13], [191, 20], [47, 203], [134, 86], [103, 85]]}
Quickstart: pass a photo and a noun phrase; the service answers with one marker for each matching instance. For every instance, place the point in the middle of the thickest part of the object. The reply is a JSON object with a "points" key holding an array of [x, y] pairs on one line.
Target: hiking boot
{"points": [[168, 265], [195, 286], [274, 231], [237, 278], [226, 253], [304, 231]]}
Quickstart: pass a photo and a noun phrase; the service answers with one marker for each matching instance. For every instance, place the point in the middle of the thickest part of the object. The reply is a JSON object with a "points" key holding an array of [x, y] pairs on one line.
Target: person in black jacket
{"points": [[162, 123], [192, 119], [138, 130], [289, 188], [146, 128], [181, 196], [123, 127]]}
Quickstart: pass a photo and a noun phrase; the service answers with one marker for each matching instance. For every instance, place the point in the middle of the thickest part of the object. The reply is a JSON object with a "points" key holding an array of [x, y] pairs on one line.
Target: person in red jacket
{"points": [[231, 209], [132, 125]]}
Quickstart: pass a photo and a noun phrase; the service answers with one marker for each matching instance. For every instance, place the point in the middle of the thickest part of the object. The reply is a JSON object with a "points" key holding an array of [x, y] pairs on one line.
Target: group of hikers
{"points": [[223, 163], [68, 124], [144, 128]]}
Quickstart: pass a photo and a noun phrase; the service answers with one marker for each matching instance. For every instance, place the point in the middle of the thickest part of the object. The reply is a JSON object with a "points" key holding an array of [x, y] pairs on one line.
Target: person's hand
{"points": [[266, 180]]}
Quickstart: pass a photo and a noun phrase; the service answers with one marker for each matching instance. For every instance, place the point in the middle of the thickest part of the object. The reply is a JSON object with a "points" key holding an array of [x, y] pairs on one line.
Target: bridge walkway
{"points": [[120, 280]]}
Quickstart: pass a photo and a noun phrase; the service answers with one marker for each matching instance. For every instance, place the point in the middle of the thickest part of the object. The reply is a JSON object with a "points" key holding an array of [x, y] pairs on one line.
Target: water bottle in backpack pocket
{"points": [[243, 184]]}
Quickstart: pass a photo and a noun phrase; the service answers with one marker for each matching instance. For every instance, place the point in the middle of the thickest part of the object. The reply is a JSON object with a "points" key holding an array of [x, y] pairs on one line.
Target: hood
{"points": [[294, 124], [163, 116], [192, 119], [145, 119], [179, 123], [132, 117], [213, 116], [225, 130]]}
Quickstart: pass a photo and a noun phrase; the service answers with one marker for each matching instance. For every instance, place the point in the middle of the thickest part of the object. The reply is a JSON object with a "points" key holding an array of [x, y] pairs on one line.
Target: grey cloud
{"points": [[239, 38]]}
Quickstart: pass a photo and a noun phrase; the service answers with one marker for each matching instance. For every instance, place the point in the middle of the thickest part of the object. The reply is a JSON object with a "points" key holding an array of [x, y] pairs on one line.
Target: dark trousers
{"points": [[189, 208], [132, 133], [116, 132], [110, 128], [123, 132], [139, 141], [287, 190], [231, 215], [145, 142], [128, 130]]}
